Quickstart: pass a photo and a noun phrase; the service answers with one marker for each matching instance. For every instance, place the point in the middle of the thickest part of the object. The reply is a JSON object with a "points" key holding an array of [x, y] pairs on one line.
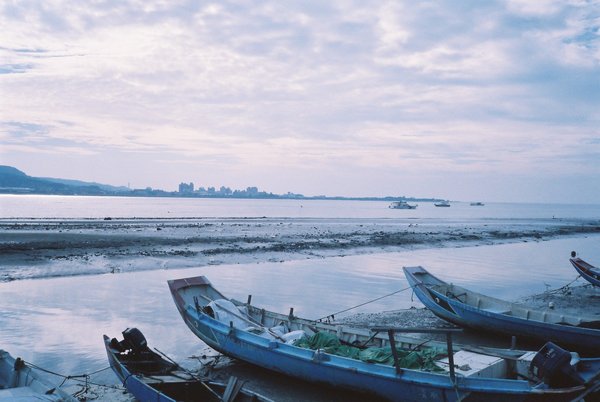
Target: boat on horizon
{"points": [[19, 382], [402, 205], [474, 310], [272, 341], [477, 204], [149, 376], [443, 203], [587, 271]]}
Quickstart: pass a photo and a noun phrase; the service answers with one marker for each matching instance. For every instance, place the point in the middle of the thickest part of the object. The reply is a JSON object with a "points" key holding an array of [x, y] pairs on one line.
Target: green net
{"points": [[409, 359]]}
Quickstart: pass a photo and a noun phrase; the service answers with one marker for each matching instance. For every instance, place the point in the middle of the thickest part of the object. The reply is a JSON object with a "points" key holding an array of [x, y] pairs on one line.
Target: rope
{"points": [[82, 378], [332, 316], [562, 289]]}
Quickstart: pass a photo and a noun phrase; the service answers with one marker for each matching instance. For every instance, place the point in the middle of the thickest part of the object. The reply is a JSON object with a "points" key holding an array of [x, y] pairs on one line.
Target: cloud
{"points": [[426, 86]]}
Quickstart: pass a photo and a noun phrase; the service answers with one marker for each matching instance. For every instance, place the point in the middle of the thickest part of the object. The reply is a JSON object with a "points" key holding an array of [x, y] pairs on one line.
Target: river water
{"points": [[77, 207]]}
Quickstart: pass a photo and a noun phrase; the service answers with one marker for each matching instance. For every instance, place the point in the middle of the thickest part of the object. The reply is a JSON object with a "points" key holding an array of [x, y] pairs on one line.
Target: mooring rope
{"points": [[83, 378], [563, 289], [332, 316]]}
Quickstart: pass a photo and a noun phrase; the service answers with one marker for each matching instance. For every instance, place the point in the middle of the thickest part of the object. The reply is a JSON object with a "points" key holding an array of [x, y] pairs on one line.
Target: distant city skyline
{"points": [[465, 100]]}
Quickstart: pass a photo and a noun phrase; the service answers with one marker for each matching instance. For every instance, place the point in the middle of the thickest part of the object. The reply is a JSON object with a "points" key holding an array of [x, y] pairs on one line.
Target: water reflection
{"points": [[58, 323]]}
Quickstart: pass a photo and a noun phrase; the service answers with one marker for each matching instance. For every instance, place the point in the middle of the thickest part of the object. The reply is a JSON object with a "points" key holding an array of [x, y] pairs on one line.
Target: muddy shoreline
{"points": [[50, 247]]}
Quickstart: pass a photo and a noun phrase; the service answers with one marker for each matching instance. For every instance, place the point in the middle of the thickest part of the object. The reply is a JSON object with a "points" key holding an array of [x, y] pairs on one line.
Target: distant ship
{"points": [[477, 204], [401, 205], [442, 204]]}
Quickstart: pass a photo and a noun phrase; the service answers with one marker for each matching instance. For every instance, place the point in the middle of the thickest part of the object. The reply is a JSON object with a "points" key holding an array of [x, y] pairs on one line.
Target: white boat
{"points": [[442, 203], [18, 382], [402, 205]]}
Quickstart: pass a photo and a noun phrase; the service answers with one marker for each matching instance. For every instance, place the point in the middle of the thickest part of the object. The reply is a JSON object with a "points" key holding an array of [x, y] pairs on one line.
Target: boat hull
{"points": [[587, 271], [316, 366], [18, 382], [155, 379], [453, 310]]}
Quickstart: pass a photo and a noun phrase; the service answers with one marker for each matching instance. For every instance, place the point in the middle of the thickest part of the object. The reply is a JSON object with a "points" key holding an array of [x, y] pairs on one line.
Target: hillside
{"points": [[14, 181]]}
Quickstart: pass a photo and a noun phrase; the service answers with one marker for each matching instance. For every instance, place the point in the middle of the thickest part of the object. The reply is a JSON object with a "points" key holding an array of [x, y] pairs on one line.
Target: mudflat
{"points": [[32, 248]]}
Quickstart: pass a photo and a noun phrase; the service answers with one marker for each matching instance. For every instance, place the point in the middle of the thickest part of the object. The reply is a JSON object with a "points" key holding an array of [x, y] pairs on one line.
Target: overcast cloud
{"points": [[467, 100]]}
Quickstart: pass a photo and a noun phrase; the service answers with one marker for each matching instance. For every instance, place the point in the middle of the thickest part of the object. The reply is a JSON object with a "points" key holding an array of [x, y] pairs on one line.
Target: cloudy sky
{"points": [[466, 100]]}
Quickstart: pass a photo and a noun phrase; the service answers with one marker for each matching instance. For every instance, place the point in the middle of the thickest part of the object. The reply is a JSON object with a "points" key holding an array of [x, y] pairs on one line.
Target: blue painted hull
{"points": [[561, 334], [149, 377], [134, 385], [381, 380], [453, 310]]}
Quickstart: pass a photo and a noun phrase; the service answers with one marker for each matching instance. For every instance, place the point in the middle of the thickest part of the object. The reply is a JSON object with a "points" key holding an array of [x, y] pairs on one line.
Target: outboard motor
{"points": [[552, 365], [134, 339]]}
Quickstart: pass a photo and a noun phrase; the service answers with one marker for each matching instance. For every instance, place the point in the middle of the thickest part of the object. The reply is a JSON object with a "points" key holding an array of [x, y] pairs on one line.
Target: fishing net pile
{"points": [[410, 359]]}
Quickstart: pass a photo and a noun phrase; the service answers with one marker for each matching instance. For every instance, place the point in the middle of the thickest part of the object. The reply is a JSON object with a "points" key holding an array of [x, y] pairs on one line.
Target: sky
{"points": [[464, 100]]}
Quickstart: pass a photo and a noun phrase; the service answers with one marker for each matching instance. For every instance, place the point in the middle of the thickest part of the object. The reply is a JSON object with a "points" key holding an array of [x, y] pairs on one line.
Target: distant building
{"points": [[186, 188]]}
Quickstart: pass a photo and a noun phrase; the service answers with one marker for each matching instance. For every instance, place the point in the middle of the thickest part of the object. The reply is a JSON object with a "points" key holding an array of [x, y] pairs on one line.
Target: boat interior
{"points": [[18, 383]]}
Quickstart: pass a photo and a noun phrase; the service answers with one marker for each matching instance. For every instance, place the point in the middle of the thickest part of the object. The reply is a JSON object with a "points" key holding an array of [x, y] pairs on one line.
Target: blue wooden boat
{"points": [[150, 377], [470, 309], [587, 271], [19, 382], [267, 339]]}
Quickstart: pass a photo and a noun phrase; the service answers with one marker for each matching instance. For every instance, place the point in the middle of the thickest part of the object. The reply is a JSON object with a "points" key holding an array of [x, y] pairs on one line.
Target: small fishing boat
{"points": [[19, 382], [470, 309], [442, 203], [149, 376], [402, 205], [587, 271], [378, 361]]}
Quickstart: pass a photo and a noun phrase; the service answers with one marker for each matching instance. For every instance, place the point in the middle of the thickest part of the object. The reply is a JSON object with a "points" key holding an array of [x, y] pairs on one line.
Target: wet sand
{"points": [[48, 248]]}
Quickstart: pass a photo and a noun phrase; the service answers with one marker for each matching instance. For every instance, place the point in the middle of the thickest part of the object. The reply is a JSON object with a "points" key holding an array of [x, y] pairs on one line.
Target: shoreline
{"points": [[38, 248]]}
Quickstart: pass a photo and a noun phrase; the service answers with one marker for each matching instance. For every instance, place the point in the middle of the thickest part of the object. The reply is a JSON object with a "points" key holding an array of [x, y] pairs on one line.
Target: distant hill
{"points": [[79, 183], [14, 181]]}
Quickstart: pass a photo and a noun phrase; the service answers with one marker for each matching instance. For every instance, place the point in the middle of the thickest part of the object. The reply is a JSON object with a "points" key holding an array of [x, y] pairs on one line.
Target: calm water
{"points": [[43, 206], [58, 323]]}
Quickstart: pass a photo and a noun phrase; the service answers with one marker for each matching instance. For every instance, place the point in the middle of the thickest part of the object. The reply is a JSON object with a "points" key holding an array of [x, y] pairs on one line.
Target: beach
{"points": [[94, 276]]}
